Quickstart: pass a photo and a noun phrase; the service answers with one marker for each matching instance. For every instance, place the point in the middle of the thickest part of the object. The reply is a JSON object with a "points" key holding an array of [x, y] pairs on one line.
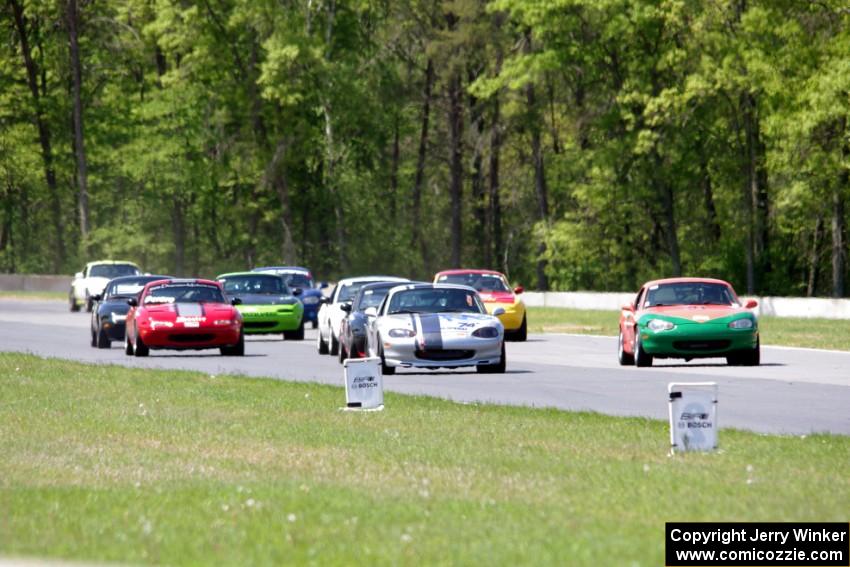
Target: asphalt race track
{"points": [[794, 391]]}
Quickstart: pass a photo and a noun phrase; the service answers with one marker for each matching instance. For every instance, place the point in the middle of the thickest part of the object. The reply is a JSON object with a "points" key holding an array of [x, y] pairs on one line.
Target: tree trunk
{"points": [[456, 167], [44, 138], [178, 223], [668, 203], [394, 163], [758, 263], [276, 176], [419, 180], [479, 210], [494, 207], [541, 190], [839, 245], [79, 141], [814, 258], [712, 223]]}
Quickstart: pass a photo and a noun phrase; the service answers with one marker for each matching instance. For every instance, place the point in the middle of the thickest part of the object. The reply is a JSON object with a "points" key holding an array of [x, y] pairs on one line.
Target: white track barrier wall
{"points": [[770, 306], [26, 282]]}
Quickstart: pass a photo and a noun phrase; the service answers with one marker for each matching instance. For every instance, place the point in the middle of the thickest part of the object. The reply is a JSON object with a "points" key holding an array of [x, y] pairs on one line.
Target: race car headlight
{"points": [[741, 324], [312, 300], [401, 333], [223, 322], [486, 333], [660, 325], [116, 318], [154, 324]]}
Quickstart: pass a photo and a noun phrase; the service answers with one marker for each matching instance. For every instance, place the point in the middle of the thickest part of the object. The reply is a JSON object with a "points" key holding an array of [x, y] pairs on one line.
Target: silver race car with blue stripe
{"points": [[435, 326]]}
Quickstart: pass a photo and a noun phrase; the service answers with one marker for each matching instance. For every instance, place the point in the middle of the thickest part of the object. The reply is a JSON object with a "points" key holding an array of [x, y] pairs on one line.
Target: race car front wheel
{"points": [[321, 345], [521, 334], [236, 350], [746, 358], [334, 344], [128, 346], [498, 368], [625, 358], [642, 358], [103, 340], [385, 370], [296, 335], [140, 348], [73, 302]]}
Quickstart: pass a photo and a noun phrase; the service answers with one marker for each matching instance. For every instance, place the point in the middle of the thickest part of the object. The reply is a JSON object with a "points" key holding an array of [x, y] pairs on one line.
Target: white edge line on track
{"points": [[775, 347]]}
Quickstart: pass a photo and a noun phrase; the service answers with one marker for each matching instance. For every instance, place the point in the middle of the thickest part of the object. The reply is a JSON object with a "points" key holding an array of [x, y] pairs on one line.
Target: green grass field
{"points": [[104, 463], [58, 295], [783, 331]]}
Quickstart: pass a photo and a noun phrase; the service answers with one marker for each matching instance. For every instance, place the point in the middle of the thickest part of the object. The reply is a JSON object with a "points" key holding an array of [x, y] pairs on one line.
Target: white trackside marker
{"points": [[364, 385], [693, 416]]}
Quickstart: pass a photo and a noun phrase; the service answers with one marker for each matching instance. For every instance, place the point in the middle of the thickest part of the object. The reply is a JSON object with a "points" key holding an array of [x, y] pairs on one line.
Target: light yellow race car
{"points": [[494, 290]]}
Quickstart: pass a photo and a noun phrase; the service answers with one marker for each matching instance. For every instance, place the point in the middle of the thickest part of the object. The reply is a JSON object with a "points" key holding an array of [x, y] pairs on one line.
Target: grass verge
{"points": [[781, 331], [106, 463], [58, 295]]}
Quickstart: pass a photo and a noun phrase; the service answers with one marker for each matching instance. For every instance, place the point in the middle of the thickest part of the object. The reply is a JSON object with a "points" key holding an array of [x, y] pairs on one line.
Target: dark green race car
{"points": [[267, 304]]}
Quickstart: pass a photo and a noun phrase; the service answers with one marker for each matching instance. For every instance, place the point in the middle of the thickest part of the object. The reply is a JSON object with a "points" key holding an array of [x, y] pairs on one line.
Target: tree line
{"points": [[574, 144]]}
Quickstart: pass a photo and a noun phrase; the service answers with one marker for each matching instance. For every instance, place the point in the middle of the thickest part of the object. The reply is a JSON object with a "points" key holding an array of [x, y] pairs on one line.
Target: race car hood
{"points": [[497, 297], [266, 299], [693, 313], [432, 329], [118, 305], [201, 311]]}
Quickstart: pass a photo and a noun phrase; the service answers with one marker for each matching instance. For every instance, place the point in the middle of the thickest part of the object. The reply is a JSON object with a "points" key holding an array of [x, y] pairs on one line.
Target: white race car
{"points": [[436, 326], [331, 315], [93, 279]]}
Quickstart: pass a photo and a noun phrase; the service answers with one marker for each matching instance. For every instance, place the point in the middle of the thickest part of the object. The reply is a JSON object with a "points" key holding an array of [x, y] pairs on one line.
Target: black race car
{"points": [[352, 331], [110, 309]]}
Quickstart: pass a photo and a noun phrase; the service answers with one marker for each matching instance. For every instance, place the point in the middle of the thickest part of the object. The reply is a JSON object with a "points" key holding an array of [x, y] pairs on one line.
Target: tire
{"points": [[385, 370], [521, 334], [140, 348], [625, 358], [128, 346], [315, 324], [296, 335], [746, 358], [93, 341], [89, 303], [73, 302], [334, 349], [498, 368], [321, 345], [234, 350], [342, 353], [103, 340], [642, 358]]}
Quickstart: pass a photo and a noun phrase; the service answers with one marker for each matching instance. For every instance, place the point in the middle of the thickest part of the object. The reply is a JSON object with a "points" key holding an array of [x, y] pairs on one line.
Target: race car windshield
{"points": [[348, 291], [127, 288], [430, 300], [371, 298], [689, 294], [302, 281], [485, 283], [184, 293], [254, 285], [113, 271]]}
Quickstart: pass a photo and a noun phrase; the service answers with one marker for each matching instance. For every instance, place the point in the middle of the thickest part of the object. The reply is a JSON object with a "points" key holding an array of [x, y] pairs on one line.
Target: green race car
{"points": [[688, 318], [267, 305]]}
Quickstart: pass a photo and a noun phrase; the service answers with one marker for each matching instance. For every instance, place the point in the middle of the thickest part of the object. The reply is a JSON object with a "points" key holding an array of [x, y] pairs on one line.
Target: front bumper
{"points": [[698, 340], [405, 353], [264, 321], [311, 312], [115, 331], [513, 315], [190, 338]]}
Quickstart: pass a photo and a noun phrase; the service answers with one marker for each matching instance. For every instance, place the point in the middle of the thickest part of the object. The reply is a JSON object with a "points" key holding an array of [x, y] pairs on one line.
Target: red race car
{"points": [[184, 314]]}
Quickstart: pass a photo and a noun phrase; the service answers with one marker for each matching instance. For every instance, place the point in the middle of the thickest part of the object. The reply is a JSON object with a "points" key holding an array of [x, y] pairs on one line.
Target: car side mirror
{"points": [[96, 297], [324, 299], [371, 312], [78, 276], [628, 307], [499, 311], [751, 304], [322, 285], [519, 289], [297, 291], [345, 307], [133, 302], [236, 301]]}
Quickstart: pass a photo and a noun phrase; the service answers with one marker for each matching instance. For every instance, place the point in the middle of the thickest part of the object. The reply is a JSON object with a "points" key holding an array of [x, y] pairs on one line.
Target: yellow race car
{"points": [[494, 290]]}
